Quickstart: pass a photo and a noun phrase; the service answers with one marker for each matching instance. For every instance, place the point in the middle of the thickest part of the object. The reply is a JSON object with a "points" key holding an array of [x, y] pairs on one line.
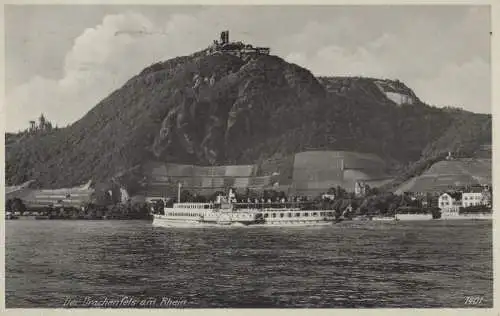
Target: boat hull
{"points": [[384, 219], [413, 217], [467, 217], [164, 221]]}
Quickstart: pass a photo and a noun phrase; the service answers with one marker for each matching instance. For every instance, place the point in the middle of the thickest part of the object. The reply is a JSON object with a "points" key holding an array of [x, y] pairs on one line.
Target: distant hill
{"points": [[226, 110]]}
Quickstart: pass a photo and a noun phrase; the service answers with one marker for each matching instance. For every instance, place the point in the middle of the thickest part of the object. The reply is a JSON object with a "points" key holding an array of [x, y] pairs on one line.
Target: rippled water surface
{"points": [[373, 264]]}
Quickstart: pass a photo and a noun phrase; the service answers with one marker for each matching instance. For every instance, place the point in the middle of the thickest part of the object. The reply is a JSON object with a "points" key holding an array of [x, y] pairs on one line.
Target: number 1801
{"points": [[473, 300]]}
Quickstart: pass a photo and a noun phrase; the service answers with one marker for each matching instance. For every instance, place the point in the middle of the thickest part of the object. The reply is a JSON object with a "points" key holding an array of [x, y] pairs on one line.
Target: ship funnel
{"points": [[179, 192]]}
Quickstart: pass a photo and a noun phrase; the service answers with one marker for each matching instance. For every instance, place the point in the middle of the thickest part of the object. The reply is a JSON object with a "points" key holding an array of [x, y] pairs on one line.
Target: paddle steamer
{"points": [[225, 211]]}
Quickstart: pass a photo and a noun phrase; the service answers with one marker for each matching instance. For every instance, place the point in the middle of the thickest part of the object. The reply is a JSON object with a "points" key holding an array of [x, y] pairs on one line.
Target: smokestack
{"points": [[179, 192]]}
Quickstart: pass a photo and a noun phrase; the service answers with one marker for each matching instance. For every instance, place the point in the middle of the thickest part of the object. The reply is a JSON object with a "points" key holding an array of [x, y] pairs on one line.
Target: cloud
{"points": [[444, 64], [460, 85], [104, 57], [443, 54], [99, 62], [344, 61]]}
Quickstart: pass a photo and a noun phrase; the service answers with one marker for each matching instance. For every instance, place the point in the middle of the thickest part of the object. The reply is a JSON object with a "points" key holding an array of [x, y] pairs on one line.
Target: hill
{"points": [[444, 175], [225, 110]]}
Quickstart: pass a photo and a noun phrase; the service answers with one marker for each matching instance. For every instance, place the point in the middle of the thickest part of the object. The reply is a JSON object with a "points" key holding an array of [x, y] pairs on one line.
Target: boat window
{"points": [[289, 214], [297, 214], [266, 215], [330, 213], [322, 213], [315, 214], [306, 214], [274, 215], [282, 215]]}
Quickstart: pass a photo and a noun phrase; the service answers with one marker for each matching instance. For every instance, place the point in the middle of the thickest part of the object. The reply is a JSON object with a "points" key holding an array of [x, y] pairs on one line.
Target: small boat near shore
{"points": [[10, 216], [413, 214], [384, 218], [467, 216]]}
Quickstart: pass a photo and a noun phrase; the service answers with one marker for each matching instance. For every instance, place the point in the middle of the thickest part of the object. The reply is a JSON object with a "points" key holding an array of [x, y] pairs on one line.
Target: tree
{"points": [[101, 198], [158, 206], [18, 206], [338, 191], [186, 196], [213, 196], [199, 198], [372, 191], [8, 205]]}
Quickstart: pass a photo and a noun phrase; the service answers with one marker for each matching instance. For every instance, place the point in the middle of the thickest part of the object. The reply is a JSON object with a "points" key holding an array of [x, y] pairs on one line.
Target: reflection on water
{"points": [[374, 264]]}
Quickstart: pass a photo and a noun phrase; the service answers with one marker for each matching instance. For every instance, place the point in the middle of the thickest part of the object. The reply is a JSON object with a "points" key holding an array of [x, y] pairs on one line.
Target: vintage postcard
{"points": [[277, 156]]}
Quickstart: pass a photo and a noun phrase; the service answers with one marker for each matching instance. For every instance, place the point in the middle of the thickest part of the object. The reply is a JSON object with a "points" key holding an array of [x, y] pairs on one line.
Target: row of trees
{"points": [[128, 210]]}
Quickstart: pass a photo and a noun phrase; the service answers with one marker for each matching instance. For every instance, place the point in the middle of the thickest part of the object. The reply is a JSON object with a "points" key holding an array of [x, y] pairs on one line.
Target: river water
{"points": [[364, 264]]}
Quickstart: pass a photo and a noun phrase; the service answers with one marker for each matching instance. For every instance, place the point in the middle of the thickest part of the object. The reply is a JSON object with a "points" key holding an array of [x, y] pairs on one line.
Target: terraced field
{"points": [[163, 178], [445, 175], [317, 171]]}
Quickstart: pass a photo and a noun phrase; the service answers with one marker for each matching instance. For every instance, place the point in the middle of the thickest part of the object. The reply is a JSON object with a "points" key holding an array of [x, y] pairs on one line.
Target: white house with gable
{"points": [[450, 202]]}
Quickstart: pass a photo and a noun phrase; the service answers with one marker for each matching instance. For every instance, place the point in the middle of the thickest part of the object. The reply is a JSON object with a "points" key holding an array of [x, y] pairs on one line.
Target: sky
{"points": [[61, 60]]}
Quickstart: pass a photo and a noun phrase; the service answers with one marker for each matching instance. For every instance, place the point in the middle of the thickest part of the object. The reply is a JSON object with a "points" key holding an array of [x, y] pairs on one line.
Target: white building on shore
{"points": [[450, 202]]}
